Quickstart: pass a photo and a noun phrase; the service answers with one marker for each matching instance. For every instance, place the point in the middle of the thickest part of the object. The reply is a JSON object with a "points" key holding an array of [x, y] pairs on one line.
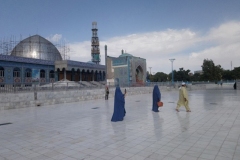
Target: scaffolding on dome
{"points": [[64, 50], [8, 44]]}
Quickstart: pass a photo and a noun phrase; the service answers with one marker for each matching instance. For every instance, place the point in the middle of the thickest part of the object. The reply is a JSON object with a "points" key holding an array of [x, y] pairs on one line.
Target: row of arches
{"points": [[27, 72], [81, 75], [29, 75], [26, 75]]}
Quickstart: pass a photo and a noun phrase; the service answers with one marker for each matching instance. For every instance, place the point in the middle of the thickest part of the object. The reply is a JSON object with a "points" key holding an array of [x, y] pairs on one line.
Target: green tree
{"points": [[218, 72], [227, 75], [159, 77], [181, 75], [148, 76], [151, 78], [236, 73], [196, 77], [210, 71]]}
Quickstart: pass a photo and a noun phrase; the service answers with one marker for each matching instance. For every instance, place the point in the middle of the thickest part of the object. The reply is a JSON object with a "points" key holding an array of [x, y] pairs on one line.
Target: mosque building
{"points": [[126, 69], [36, 59]]}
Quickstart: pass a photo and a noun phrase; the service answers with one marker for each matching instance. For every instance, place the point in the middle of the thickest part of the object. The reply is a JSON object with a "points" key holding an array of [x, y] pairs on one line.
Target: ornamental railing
{"points": [[86, 85], [70, 85]]}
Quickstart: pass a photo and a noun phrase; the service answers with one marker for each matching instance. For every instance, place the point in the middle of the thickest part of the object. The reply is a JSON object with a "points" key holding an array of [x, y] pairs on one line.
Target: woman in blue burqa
{"points": [[119, 106], [156, 98]]}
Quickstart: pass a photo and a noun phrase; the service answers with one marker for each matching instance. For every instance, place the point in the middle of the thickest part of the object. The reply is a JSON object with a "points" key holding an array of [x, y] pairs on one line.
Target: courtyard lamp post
{"points": [[172, 70]]}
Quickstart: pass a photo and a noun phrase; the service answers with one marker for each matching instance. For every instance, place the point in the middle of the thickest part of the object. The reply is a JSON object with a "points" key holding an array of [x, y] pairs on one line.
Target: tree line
{"points": [[210, 72]]}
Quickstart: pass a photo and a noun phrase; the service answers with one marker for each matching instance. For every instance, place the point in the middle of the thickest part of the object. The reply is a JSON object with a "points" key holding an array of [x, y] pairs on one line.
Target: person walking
{"points": [[119, 106], [235, 86], [183, 98], [156, 98], [106, 93]]}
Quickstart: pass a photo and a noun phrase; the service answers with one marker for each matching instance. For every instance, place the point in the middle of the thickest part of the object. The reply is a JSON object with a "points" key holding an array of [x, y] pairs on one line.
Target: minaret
{"points": [[95, 52]]}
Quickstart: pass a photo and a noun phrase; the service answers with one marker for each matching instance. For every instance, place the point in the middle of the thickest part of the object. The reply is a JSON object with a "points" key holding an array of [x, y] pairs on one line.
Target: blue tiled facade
{"points": [[125, 69], [9, 63], [121, 69]]}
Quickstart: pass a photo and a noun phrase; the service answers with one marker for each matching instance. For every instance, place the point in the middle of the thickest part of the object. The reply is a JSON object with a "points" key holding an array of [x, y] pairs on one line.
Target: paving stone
{"points": [[75, 130]]}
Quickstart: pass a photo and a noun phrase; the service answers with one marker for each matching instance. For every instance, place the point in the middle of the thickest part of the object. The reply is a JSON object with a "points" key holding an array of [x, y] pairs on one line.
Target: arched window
{"points": [[51, 74], [28, 72], [1, 71], [42, 73], [16, 72]]}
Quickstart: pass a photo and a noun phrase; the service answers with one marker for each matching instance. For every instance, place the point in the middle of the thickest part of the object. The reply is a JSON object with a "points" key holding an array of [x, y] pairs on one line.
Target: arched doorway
{"points": [[104, 76], [139, 74], [96, 76], [100, 75], [28, 75], [91, 76], [83, 75], [42, 76], [1, 74], [58, 74], [78, 75], [16, 75], [51, 76], [71, 76]]}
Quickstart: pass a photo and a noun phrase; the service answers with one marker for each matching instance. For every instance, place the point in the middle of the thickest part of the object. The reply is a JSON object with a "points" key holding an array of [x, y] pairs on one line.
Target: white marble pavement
{"points": [[83, 130]]}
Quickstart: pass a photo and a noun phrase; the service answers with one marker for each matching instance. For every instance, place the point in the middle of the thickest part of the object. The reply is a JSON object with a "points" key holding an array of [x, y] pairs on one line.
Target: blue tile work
{"points": [[129, 71], [125, 68], [11, 62], [8, 74], [119, 61], [25, 60], [84, 64], [121, 73]]}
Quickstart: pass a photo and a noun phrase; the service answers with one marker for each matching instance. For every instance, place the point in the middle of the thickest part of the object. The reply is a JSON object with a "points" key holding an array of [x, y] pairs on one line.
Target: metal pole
{"points": [[150, 70], [106, 65], [172, 70], [172, 73]]}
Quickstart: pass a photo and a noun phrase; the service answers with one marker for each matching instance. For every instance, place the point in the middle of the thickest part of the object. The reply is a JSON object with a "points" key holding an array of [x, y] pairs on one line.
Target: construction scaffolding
{"points": [[8, 47], [64, 50]]}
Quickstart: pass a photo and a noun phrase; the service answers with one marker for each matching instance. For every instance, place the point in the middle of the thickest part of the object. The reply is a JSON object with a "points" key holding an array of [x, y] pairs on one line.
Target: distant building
{"points": [[199, 72], [126, 69], [190, 74]]}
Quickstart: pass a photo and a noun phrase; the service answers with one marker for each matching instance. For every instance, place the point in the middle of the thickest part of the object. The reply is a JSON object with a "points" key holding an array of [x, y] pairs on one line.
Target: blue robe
{"points": [[156, 98], [119, 106]]}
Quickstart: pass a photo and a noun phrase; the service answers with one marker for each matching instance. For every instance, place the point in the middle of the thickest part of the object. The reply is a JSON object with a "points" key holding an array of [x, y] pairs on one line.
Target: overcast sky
{"points": [[157, 30]]}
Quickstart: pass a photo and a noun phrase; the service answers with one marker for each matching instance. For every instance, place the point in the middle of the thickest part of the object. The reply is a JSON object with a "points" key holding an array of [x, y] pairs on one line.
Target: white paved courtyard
{"points": [[84, 131]]}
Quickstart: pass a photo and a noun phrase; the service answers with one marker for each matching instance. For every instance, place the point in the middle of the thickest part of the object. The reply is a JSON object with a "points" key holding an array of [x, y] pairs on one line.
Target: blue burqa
{"points": [[119, 109], [156, 98]]}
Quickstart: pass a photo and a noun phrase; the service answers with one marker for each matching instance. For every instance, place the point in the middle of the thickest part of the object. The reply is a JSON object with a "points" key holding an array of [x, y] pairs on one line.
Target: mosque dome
{"points": [[125, 55], [36, 47]]}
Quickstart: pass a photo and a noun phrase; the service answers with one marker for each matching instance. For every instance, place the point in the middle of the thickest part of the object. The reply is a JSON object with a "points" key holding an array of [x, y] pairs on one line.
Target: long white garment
{"points": [[182, 96]]}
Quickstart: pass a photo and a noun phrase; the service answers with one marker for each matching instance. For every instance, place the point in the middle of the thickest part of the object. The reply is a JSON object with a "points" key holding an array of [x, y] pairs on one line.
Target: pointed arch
{"points": [[139, 74]]}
